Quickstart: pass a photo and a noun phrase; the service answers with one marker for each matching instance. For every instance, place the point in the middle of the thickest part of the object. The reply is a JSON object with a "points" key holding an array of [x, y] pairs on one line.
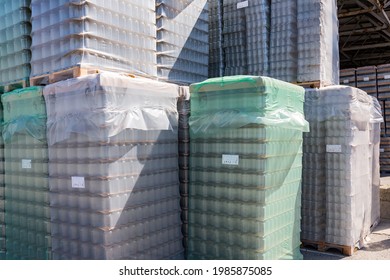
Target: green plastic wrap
{"points": [[245, 169], [27, 205], [24, 113], [249, 100]]}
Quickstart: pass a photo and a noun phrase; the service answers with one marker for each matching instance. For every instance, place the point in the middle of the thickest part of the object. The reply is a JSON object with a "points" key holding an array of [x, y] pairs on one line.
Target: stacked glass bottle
{"points": [[183, 107], [113, 152], [2, 193], [118, 35], [245, 169], [15, 41], [318, 47], [216, 64], [283, 40], [338, 191], [182, 40], [27, 213]]}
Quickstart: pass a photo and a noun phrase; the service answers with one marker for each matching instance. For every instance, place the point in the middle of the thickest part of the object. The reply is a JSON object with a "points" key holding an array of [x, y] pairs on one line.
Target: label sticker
{"points": [[333, 148], [243, 4], [386, 77], [382, 150], [346, 81], [230, 159], [366, 79], [26, 163], [78, 182]]}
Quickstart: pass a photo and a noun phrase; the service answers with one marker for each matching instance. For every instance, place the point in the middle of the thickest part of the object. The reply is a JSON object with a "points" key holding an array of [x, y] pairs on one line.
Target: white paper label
{"points": [[381, 150], [230, 159], [26, 163], [333, 148], [346, 81], [78, 182], [242, 5], [366, 79], [386, 77]]}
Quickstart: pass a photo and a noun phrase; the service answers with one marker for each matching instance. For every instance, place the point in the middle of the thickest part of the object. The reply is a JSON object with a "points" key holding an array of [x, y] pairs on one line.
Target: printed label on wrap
{"points": [[78, 182], [26, 163], [243, 4], [230, 159], [333, 148]]}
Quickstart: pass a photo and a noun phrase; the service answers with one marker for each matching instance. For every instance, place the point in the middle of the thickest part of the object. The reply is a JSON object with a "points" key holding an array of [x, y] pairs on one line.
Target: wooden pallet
{"points": [[322, 246], [74, 72], [15, 85], [313, 84]]}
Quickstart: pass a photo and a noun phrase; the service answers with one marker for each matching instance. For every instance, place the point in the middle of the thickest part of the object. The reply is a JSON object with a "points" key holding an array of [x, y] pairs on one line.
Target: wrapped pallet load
{"points": [[183, 108], [15, 42], [245, 169], [114, 184], [115, 35], [27, 211], [2, 193], [340, 194], [318, 46], [182, 40]]}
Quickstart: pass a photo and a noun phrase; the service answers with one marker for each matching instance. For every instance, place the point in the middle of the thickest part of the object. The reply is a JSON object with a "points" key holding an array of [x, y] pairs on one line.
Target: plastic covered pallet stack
{"points": [[245, 169], [340, 165], [27, 212], [182, 40], [15, 41], [114, 168], [2, 193], [246, 37], [318, 47], [366, 80], [118, 35], [183, 107], [216, 66], [283, 40]]}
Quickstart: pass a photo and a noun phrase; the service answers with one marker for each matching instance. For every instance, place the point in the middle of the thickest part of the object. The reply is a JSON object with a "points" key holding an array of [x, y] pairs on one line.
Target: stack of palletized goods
{"points": [[183, 107], [245, 169], [246, 37], [182, 40], [383, 83], [27, 212], [283, 40], [340, 166], [318, 47], [114, 187], [2, 218], [366, 80], [216, 68], [348, 77], [119, 35], [15, 41]]}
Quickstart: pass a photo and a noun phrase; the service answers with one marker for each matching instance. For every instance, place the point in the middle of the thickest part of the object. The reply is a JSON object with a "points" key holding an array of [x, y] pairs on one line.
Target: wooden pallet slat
{"points": [[61, 75], [15, 85], [322, 246]]}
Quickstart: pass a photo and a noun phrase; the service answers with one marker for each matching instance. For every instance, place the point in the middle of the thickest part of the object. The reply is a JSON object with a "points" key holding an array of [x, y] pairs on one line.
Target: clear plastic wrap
{"points": [[118, 36], [105, 104], [267, 102], [340, 165], [15, 41], [318, 46], [182, 40]]}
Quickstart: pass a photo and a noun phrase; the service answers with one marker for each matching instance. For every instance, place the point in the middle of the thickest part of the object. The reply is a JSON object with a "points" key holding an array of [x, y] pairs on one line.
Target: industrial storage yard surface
{"points": [[377, 245]]}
